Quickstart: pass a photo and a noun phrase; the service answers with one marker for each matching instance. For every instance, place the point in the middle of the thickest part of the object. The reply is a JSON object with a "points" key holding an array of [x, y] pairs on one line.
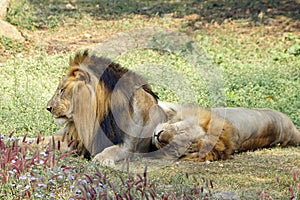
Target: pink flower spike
{"points": [[295, 175]]}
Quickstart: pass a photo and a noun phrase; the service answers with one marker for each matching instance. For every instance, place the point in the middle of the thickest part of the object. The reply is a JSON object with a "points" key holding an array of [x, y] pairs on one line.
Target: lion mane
{"points": [[109, 111], [199, 134]]}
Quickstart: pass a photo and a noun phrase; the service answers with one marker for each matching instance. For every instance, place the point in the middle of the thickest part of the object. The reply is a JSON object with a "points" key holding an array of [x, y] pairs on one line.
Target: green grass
{"points": [[256, 64], [27, 88], [258, 73], [12, 45], [271, 80]]}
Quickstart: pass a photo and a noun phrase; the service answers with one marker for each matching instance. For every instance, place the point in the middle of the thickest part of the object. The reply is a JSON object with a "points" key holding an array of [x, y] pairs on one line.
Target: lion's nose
{"points": [[49, 108]]}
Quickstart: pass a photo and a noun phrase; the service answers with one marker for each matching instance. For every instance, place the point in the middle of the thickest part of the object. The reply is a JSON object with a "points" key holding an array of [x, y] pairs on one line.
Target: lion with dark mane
{"points": [[198, 134], [110, 112]]}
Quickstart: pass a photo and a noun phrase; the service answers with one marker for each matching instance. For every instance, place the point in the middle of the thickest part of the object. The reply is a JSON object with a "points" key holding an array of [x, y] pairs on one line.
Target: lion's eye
{"points": [[61, 90]]}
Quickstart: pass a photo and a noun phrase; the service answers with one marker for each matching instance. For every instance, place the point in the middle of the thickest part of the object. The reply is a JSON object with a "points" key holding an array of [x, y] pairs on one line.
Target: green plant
{"points": [[29, 172], [26, 92], [295, 188], [11, 45], [21, 14]]}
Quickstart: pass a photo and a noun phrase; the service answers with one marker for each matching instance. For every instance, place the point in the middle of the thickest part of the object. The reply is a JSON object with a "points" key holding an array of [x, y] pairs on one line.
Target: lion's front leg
{"points": [[110, 155]]}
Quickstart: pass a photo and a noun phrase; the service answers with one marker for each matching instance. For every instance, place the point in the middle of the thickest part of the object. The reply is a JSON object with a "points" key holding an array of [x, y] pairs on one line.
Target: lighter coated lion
{"points": [[110, 112], [198, 134]]}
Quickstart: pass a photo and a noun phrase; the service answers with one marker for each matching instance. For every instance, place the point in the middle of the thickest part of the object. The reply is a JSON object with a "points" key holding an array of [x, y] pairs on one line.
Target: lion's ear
{"points": [[80, 75], [170, 113], [79, 58]]}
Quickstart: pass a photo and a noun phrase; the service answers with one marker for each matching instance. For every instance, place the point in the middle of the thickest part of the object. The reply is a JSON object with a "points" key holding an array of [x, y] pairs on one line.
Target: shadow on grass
{"points": [[214, 10]]}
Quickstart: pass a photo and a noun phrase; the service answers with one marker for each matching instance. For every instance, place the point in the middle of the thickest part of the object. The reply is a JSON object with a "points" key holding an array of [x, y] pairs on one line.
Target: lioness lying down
{"points": [[199, 134]]}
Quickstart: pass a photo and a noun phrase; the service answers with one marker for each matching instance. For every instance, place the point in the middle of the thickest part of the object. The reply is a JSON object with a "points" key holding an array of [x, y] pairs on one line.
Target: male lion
{"points": [[198, 134], [109, 111]]}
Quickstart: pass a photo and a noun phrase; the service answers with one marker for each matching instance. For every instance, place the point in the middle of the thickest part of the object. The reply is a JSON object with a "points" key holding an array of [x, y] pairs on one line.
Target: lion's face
{"points": [[163, 134], [180, 131], [60, 105]]}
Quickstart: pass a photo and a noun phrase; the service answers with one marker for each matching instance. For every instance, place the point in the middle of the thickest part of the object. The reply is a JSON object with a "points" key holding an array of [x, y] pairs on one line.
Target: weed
{"points": [[21, 14], [28, 172], [11, 45]]}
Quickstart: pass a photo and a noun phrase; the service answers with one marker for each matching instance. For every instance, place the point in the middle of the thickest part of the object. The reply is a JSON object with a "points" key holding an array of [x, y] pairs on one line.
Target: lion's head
{"points": [[164, 134], [82, 98], [60, 105], [76, 86]]}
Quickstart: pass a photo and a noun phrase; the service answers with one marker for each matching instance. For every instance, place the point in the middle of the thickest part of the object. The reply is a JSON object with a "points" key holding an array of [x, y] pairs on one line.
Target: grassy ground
{"points": [[253, 48]]}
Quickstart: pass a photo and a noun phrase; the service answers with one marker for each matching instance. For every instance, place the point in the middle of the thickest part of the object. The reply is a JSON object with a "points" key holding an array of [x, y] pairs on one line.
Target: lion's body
{"points": [[110, 111], [260, 128], [198, 134]]}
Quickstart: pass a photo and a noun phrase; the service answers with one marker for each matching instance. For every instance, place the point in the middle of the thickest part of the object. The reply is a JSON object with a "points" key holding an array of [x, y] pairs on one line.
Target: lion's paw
{"points": [[104, 161]]}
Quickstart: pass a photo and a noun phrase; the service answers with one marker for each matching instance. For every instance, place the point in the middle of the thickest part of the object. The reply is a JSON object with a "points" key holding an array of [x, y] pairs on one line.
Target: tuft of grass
{"points": [[9, 47], [21, 14]]}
